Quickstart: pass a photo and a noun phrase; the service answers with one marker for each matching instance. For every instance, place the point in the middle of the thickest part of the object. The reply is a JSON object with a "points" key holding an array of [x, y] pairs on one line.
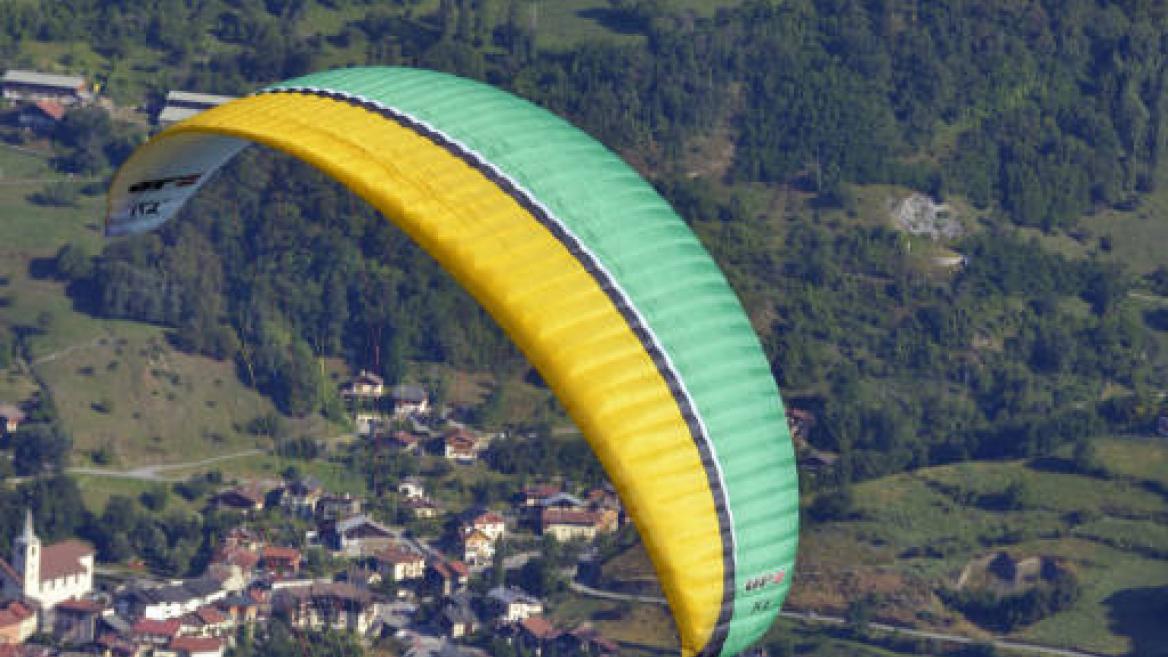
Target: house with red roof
{"points": [[400, 563], [537, 633], [207, 621], [461, 446], [477, 548], [41, 116], [448, 576], [575, 524], [18, 621], [148, 631], [113, 645], [533, 495], [197, 646], [491, 524], [246, 560], [281, 560]]}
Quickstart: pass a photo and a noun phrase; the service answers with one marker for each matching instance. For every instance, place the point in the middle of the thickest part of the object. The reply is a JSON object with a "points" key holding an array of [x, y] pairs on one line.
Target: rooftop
{"points": [[210, 615], [156, 627], [64, 559], [196, 644], [349, 524], [539, 627], [512, 595], [196, 97], [80, 606], [51, 109], [399, 554], [573, 517], [282, 553], [489, 518], [14, 613], [16, 76], [406, 393]]}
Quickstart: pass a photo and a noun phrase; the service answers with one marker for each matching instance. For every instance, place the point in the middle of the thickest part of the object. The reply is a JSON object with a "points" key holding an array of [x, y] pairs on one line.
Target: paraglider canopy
{"points": [[590, 272]]}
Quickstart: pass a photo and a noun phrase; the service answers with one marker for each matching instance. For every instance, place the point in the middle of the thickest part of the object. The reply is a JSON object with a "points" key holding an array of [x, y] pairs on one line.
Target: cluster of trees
{"points": [[280, 639], [173, 544], [903, 370], [56, 504], [535, 456], [39, 446], [1005, 612]]}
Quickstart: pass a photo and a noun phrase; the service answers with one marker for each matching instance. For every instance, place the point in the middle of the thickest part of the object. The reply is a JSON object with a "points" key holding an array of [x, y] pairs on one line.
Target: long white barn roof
{"points": [[16, 76]]}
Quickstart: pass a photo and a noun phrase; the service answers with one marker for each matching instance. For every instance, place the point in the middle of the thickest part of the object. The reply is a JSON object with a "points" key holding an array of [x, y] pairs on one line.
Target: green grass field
{"points": [[96, 491], [915, 532], [132, 394], [333, 476], [925, 526]]}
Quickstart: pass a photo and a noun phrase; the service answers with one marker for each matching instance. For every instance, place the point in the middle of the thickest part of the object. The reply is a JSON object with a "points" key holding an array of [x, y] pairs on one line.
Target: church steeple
{"points": [[28, 557], [29, 535]]}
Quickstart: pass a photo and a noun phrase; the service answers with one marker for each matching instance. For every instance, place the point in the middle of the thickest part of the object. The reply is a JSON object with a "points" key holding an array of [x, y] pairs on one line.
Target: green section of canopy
{"points": [[668, 276]]}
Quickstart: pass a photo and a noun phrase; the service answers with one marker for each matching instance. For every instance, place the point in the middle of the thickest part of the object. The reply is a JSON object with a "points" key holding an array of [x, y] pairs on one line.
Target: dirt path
{"points": [[48, 358], [156, 472]]}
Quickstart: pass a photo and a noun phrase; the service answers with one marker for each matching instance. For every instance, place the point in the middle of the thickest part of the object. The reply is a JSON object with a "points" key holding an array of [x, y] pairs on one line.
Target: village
{"points": [[433, 594]]}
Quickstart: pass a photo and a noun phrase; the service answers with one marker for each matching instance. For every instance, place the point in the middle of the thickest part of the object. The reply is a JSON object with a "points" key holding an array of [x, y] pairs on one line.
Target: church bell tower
{"points": [[28, 557]]}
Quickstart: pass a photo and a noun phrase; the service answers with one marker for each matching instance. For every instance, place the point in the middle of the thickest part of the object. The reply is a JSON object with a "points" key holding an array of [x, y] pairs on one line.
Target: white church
{"points": [[46, 575]]}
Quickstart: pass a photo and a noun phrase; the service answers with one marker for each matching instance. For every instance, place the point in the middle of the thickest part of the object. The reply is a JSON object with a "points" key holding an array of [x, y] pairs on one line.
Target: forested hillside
{"points": [[1030, 114]]}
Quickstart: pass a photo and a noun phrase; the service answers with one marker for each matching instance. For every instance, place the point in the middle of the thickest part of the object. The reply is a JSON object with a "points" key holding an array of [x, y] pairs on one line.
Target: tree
{"points": [[498, 564], [56, 194], [540, 577], [155, 498], [39, 446], [1085, 457], [837, 504], [859, 614], [1018, 495]]}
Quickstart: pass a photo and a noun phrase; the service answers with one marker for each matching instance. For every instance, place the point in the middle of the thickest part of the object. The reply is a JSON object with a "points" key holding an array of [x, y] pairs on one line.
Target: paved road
{"points": [[813, 617], [155, 472]]}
